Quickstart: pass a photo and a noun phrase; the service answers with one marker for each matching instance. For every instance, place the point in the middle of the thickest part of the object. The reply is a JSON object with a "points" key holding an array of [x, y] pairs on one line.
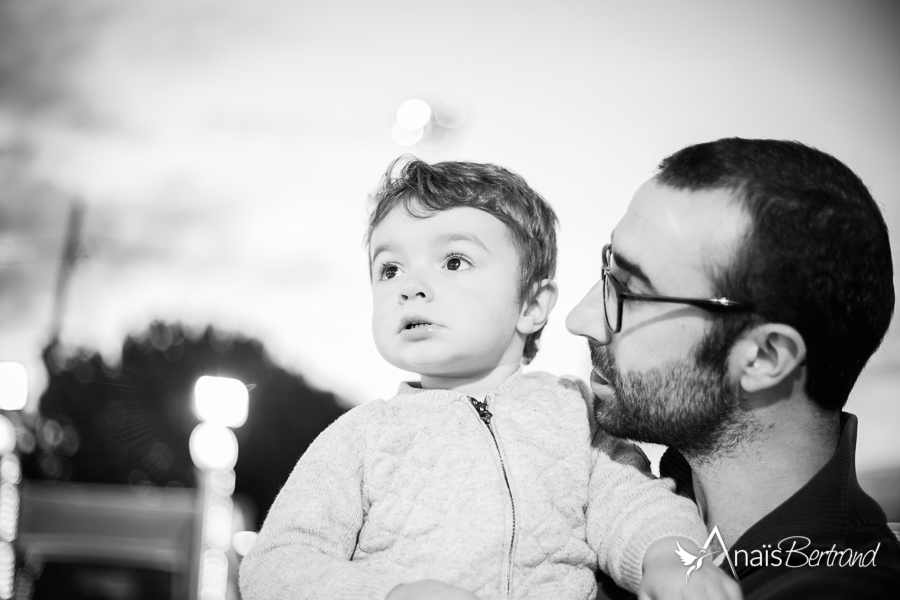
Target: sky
{"points": [[224, 151]]}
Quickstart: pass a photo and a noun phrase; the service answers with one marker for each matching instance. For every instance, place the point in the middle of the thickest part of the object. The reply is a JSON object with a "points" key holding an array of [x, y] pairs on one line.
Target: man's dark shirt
{"points": [[831, 511]]}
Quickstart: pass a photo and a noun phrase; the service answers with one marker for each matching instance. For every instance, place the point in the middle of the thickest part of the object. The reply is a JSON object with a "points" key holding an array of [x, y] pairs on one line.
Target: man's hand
{"points": [[665, 575], [429, 589]]}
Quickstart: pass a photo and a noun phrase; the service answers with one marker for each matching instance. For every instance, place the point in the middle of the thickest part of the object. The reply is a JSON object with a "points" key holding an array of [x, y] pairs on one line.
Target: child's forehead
{"points": [[461, 223], [458, 220]]}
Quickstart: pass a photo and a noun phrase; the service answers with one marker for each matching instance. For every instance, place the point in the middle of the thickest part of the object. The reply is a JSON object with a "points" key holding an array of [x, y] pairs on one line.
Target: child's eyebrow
{"points": [[379, 249], [463, 237]]}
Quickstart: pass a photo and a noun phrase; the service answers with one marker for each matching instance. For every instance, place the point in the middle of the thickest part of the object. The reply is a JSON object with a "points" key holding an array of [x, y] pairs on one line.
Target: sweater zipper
{"points": [[485, 415]]}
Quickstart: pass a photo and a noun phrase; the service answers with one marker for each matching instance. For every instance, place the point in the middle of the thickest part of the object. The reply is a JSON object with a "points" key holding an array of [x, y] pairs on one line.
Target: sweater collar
{"points": [[510, 386]]}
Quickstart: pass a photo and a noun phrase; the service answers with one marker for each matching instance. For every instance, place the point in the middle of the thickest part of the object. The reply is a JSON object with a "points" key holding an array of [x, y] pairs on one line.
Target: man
{"points": [[742, 293]]}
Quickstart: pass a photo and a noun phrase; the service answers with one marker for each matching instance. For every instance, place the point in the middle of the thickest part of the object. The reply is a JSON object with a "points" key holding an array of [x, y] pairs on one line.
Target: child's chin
{"points": [[422, 367], [439, 370]]}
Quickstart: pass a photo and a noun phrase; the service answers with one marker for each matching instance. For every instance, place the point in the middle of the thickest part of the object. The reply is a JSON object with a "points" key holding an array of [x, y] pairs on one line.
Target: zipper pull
{"points": [[483, 412]]}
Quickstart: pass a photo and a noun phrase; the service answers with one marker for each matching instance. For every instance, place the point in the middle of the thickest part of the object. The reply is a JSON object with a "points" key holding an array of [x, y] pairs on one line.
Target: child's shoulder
{"points": [[397, 410], [359, 415]]}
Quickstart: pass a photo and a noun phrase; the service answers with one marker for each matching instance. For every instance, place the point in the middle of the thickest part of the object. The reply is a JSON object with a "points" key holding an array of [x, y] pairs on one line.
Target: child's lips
{"points": [[418, 331], [414, 322], [415, 328]]}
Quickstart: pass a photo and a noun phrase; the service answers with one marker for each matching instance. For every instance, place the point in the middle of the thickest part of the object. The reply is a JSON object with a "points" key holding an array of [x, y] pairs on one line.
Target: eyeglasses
{"points": [[615, 295]]}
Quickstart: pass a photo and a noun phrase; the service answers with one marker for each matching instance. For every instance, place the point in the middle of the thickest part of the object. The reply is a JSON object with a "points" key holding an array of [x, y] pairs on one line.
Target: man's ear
{"points": [[767, 355], [535, 312]]}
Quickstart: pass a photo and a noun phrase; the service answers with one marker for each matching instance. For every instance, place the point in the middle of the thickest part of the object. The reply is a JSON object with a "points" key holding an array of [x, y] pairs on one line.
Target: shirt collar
{"points": [[823, 509]]}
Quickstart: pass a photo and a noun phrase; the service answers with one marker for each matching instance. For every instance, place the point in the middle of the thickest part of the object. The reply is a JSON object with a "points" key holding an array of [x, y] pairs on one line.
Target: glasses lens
{"points": [[610, 303]]}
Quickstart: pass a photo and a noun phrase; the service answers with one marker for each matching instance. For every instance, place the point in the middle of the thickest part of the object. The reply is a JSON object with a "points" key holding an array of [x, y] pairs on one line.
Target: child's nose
{"points": [[415, 287]]}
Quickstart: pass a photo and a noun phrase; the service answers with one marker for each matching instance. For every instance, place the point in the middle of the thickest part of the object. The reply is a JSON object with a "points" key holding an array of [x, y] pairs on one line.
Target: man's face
{"points": [[647, 383], [445, 292]]}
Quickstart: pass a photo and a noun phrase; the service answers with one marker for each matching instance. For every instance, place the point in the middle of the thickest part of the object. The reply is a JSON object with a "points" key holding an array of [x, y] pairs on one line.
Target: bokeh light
{"points": [[406, 137], [9, 511], [213, 575], [221, 400], [450, 114], [7, 569], [13, 386], [243, 541], [213, 446], [7, 435], [413, 114], [10, 469]]}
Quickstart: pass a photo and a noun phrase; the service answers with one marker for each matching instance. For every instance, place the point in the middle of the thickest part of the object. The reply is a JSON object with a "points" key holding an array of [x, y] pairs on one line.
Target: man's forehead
{"points": [[677, 235]]}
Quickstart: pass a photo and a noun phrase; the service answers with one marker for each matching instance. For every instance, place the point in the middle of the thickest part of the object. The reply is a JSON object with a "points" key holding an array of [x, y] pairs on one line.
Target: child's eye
{"points": [[389, 271], [457, 262]]}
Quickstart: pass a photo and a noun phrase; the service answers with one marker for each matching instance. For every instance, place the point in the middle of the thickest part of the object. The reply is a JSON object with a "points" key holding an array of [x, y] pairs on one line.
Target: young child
{"points": [[479, 477]]}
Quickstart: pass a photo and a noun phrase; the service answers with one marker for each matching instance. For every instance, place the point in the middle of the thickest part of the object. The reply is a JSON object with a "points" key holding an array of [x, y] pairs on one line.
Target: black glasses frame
{"points": [[710, 304]]}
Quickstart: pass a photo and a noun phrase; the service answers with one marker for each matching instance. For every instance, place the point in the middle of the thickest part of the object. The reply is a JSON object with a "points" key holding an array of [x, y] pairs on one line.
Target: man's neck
{"points": [[738, 488]]}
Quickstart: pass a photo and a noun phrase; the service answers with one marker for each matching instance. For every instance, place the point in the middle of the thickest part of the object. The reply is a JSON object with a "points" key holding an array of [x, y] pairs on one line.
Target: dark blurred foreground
{"points": [[109, 507]]}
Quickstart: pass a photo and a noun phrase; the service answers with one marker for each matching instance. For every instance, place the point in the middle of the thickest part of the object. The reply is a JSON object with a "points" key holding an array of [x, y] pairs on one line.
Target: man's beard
{"points": [[688, 406]]}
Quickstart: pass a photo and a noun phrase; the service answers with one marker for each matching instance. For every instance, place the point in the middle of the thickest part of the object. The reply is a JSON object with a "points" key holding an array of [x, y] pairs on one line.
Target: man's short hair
{"points": [[422, 190], [816, 255]]}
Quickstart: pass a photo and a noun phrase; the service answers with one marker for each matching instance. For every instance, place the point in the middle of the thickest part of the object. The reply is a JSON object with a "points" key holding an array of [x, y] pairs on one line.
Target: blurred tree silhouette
{"points": [[130, 423]]}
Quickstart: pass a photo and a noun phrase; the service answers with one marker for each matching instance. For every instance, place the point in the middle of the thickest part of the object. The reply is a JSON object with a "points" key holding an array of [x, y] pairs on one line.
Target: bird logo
{"points": [[694, 562], [687, 558]]}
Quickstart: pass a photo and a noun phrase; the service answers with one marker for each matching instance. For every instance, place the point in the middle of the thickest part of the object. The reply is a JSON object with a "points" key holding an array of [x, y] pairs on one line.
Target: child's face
{"points": [[445, 293]]}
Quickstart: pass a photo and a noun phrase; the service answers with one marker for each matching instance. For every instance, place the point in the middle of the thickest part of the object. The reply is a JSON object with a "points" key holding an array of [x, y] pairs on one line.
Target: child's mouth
{"points": [[416, 324]]}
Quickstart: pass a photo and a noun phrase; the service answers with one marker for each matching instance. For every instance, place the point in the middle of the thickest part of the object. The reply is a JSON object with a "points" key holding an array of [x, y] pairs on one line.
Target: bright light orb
{"points": [[213, 446], [213, 575], [8, 436], [404, 136], [10, 469], [413, 114], [7, 569], [242, 541], [13, 386], [450, 114], [221, 400]]}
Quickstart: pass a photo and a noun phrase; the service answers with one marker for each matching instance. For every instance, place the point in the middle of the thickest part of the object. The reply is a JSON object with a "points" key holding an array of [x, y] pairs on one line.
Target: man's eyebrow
{"points": [[463, 237], [636, 272]]}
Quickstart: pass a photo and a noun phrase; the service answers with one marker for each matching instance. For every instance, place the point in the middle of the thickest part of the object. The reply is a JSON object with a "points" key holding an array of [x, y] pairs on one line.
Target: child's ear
{"points": [[536, 311], [767, 355]]}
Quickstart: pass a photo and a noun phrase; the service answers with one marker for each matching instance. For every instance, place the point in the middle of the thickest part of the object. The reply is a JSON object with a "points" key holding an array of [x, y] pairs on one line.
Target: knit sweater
{"points": [[510, 501]]}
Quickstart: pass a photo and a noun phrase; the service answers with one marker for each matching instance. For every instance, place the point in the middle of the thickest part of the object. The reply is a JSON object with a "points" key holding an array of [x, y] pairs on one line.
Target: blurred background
{"points": [[183, 189]]}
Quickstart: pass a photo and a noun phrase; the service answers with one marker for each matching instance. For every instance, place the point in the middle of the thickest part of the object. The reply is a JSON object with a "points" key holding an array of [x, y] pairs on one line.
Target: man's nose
{"points": [[415, 287], [588, 318]]}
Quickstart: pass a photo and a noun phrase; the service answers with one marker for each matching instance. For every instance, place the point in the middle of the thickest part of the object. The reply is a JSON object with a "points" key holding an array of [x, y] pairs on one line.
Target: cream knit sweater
{"points": [[517, 503]]}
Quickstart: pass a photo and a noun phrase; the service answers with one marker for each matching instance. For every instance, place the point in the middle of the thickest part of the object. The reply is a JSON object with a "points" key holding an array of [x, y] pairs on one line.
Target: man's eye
{"points": [[457, 262]]}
